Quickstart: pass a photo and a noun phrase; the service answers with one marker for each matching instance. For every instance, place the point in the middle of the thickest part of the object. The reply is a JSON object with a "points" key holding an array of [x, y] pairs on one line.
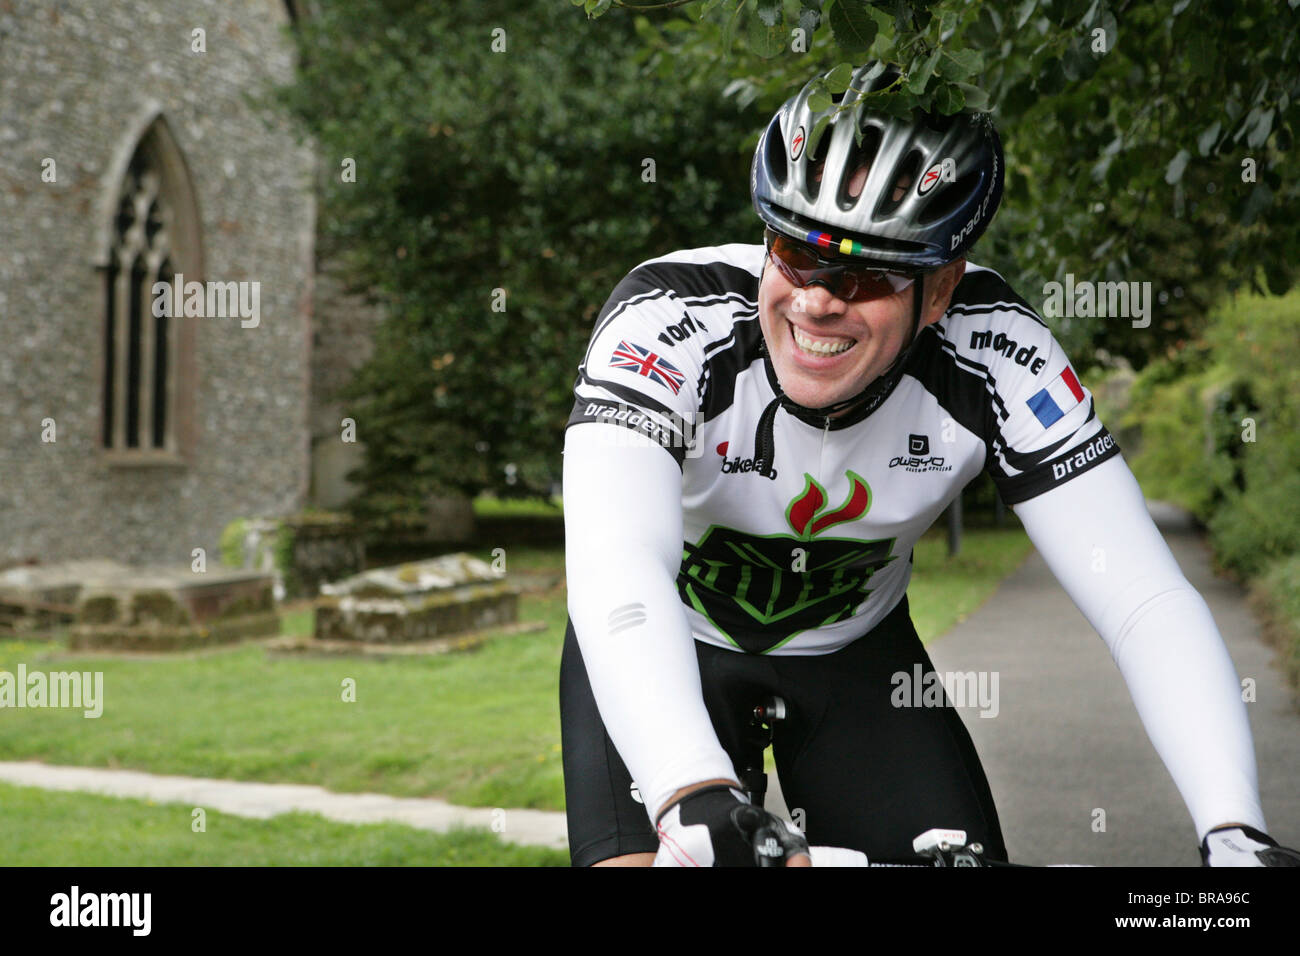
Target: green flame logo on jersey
{"points": [[762, 590]]}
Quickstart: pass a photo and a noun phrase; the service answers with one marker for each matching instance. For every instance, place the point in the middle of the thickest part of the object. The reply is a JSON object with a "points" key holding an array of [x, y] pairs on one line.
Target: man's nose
{"points": [[815, 299]]}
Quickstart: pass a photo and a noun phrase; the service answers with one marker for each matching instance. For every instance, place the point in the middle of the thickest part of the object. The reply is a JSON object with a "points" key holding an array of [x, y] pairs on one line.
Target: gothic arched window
{"points": [[153, 237]]}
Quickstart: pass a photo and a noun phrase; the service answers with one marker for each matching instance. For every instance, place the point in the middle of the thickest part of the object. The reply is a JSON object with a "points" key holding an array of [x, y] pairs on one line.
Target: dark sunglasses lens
{"points": [[801, 266], [863, 285], [795, 255], [794, 276]]}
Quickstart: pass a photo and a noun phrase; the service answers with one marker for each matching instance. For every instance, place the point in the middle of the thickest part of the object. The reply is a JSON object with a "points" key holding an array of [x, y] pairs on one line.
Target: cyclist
{"points": [[760, 435]]}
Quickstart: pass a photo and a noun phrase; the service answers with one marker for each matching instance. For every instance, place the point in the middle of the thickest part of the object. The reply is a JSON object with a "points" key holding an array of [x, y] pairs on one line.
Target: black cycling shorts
{"points": [[866, 774]]}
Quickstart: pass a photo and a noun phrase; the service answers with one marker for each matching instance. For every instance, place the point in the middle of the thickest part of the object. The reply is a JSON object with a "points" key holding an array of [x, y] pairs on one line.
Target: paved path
{"points": [[1068, 740], [263, 800]]}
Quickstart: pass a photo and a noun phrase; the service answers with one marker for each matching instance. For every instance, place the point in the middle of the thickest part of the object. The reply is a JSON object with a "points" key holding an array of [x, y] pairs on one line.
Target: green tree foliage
{"points": [[500, 195], [1147, 140]]}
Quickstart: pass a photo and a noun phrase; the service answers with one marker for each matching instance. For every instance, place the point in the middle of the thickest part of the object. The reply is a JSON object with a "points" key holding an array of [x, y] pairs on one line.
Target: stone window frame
{"points": [[150, 136]]}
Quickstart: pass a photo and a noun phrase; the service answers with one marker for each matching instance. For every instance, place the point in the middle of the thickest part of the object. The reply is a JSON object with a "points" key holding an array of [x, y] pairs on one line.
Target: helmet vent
{"points": [[777, 163], [904, 179], [817, 165], [939, 123], [906, 247], [853, 179], [883, 80]]}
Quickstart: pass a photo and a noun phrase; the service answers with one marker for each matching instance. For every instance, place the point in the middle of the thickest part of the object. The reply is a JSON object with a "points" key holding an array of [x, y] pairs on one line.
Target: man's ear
{"points": [[939, 287]]}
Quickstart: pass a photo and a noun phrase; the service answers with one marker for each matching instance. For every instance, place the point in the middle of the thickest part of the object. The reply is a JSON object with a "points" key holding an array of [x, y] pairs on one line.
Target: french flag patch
{"points": [[1062, 393]]}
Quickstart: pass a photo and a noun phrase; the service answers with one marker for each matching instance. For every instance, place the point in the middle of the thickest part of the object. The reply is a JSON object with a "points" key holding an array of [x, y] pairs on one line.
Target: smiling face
{"points": [[824, 349]]}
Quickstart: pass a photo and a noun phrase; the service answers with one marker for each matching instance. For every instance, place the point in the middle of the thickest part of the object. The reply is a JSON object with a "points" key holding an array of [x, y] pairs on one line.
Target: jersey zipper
{"points": [[821, 455]]}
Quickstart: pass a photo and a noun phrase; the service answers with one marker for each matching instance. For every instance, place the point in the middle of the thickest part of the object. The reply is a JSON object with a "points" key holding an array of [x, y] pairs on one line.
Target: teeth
{"points": [[819, 348]]}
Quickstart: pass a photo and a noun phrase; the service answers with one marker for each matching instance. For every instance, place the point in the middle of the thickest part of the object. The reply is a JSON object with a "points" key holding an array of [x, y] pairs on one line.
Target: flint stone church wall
{"points": [[80, 83]]}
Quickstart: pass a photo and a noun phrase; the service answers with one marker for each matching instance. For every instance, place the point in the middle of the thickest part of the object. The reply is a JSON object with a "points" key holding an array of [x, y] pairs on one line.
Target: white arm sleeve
{"points": [[1160, 634], [623, 548]]}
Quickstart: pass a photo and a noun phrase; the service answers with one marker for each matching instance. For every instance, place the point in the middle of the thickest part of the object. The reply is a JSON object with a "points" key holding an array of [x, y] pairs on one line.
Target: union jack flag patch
{"points": [[647, 363]]}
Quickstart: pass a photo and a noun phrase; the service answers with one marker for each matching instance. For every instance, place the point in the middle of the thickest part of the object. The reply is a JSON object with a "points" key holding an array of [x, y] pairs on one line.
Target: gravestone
{"points": [[300, 551], [417, 601]]}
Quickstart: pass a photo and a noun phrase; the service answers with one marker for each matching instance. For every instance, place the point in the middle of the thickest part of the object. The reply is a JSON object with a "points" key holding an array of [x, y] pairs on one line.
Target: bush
{"points": [[232, 543], [1258, 521], [1220, 426], [1276, 595], [1253, 528], [1173, 460]]}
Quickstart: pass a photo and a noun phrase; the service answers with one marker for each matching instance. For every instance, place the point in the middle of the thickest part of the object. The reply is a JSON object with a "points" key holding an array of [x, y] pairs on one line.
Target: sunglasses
{"points": [[800, 264]]}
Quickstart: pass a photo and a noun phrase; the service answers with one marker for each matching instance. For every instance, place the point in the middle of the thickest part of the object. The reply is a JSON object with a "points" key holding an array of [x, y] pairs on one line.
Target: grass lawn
{"points": [[51, 828], [489, 506], [479, 728]]}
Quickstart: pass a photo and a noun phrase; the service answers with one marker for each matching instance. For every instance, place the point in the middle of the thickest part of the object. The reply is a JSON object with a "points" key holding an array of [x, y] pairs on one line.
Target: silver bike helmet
{"points": [[932, 183]]}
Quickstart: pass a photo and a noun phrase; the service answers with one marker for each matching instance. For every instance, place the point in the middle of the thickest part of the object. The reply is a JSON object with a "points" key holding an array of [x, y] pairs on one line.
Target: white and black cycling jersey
{"points": [[807, 551]]}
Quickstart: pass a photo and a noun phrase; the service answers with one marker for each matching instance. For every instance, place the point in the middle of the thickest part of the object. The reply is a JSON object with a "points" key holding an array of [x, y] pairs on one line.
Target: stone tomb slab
{"points": [[172, 609], [42, 597], [416, 602]]}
